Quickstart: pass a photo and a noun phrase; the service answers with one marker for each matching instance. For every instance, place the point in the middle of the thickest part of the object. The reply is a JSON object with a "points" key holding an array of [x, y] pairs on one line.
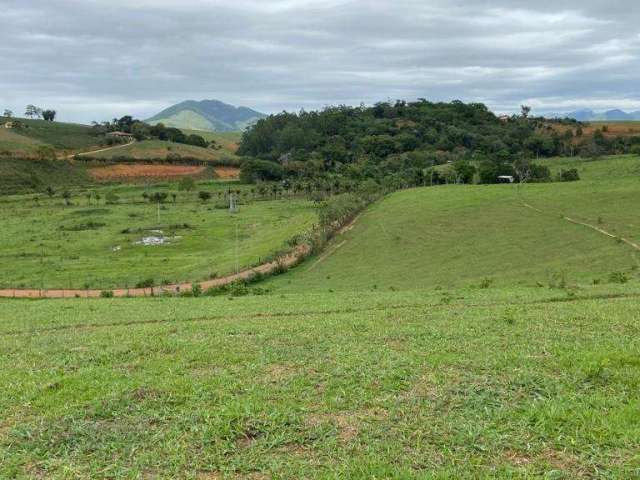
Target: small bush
{"points": [[106, 294], [618, 277], [486, 282], [570, 175], [148, 283]]}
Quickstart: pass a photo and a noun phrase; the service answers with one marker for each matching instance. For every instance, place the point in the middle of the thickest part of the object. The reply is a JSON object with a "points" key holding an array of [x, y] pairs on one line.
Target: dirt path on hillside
{"points": [[602, 231], [107, 149], [284, 261]]}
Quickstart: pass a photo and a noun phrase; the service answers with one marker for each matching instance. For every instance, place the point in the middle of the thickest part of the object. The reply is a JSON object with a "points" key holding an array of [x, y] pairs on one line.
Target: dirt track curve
{"points": [[108, 149]]}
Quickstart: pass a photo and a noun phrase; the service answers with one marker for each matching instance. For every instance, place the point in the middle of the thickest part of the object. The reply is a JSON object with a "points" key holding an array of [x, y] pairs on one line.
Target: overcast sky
{"points": [[96, 59]]}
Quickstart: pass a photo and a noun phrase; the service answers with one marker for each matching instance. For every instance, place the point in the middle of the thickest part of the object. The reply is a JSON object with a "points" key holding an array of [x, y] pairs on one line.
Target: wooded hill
{"points": [[407, 138]]}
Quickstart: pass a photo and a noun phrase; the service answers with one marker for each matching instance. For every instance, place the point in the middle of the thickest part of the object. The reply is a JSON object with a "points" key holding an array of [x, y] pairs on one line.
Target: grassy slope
{"points": [[154, 149], [187, 119], [18, 176], [464, 384], [459, 235], [85, 257], [64, 137]]}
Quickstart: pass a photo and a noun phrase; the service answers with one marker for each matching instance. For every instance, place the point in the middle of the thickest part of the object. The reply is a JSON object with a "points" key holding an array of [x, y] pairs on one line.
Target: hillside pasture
{"points": [[461, 235], [161, 150], [65, 138], [20, 176]]}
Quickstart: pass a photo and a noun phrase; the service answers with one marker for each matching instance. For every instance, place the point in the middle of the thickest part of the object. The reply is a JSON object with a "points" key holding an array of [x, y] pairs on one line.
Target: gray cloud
{"points": [[94, 59]]}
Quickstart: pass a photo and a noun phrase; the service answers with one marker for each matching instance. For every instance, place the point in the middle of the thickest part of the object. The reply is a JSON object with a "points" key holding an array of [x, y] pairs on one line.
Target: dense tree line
{"points": [[406, 142]]}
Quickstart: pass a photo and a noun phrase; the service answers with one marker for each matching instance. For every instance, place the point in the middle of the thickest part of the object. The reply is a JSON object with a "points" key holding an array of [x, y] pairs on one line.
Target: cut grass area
{"points": [[158, 149], [514, 383], [460, 235], [46, 244]]}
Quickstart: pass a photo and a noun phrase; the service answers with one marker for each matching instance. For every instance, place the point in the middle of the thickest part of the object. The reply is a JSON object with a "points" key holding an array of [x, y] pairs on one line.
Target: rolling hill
{"points": [[465, 235], [65, 138], [207, 115]]}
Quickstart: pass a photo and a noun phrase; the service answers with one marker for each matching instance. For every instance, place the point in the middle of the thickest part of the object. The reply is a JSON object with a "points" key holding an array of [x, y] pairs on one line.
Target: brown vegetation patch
{"points": [[278, 372], [144, 393], [347, 424], [133, 171], [227, 172], [609, 130]]}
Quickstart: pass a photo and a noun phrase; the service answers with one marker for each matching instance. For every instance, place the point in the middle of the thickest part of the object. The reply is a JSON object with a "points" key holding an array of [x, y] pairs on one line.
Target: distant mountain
{"points": [[588, 115], [208, 115]]}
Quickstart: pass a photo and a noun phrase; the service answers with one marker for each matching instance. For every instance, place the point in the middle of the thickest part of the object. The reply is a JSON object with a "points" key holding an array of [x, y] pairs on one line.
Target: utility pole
{"points": [[237, 263]]}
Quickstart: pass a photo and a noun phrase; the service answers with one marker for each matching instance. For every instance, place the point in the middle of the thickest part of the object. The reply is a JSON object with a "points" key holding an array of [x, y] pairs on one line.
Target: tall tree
{"points": [[32, 111], [49, 115]]}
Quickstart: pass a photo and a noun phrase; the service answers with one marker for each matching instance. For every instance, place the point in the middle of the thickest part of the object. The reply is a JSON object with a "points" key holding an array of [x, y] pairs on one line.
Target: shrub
{"points": [[204, 196], [112, 198], [106, 294], [618, 277], [148, 283], [196, 290], [570, 175]]}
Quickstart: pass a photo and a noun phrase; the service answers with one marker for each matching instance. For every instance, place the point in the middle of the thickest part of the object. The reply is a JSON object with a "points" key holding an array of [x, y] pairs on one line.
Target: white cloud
{"points": [[95, 59]]}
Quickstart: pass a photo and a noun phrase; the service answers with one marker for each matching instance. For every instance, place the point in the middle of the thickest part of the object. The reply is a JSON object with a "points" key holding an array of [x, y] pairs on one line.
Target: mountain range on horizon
{"points": [[588, 115], [207, 115]]}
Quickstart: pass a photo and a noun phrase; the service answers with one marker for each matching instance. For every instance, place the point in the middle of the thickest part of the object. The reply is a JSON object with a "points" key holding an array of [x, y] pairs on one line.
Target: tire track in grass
{"points": [[602, 231], [337, 311]]}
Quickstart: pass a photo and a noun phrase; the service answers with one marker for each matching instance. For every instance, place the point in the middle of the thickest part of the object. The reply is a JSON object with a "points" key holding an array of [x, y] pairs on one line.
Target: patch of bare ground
{"points": [[549, 459], [144, 393], [35, 472], [280, 372], [424, 387], [209, 476], [227, 173], [133, 171], [347, 424]]}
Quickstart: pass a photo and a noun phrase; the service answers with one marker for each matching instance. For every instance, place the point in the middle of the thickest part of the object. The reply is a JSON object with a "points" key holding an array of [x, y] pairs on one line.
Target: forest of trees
{"points": [[404, 143]]}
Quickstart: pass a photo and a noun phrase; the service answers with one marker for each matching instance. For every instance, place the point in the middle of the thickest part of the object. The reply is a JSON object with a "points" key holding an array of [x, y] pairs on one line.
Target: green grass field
{"points": [[512, 383], [47, 244], [464, 235], [451, 333]]}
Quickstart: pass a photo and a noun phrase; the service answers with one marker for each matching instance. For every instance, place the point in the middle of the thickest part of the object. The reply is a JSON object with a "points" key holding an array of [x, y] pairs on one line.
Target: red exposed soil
{"points": [[227, 172], [132, 171]]}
